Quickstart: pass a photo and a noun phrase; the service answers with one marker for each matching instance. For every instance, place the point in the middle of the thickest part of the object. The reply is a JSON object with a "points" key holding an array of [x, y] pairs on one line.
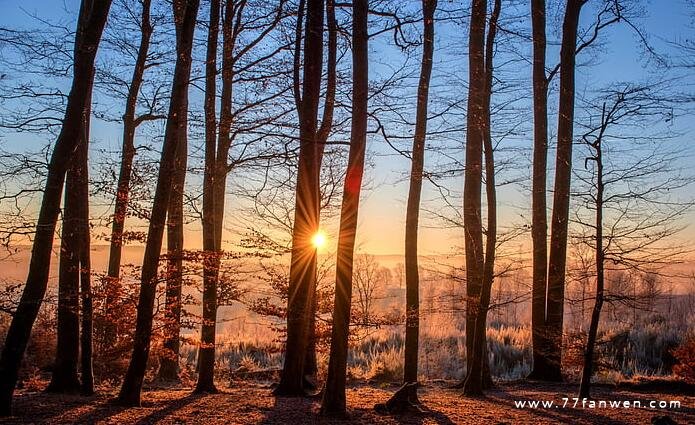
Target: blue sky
{"points": [[382, 215]]}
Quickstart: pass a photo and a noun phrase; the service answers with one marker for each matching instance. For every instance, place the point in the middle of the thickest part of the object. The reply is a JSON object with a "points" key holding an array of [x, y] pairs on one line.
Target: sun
{"points": [[318, 240]]}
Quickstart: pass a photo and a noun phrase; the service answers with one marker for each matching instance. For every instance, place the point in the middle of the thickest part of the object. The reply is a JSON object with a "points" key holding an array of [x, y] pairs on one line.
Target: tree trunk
{"points": [[479, 375], [185, 13], [475, 133], [303, 257], [169, 361], [490, 192], [563, 174], [64, 378], [539, 220], [412, 279], [82, 180], [311, 366], [587, 371], [211, 200], [91, 21], [113, 287], [334, 393]]}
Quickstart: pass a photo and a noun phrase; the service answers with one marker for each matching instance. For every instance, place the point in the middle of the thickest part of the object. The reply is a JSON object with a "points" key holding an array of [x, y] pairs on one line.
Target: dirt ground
{"points": [[254, 404]]}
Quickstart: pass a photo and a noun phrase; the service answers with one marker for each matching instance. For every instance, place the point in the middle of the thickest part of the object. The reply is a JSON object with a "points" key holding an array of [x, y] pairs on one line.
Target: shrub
{"points": [[685, 357]]}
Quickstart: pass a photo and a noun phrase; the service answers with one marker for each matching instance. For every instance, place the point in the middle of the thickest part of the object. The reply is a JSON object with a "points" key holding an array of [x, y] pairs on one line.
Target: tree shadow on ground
{"points": [[291, 410], [169, 408], [43, 407]]}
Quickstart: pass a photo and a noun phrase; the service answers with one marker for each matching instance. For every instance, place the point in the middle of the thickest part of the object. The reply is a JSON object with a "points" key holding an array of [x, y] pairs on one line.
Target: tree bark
{"points": [[303, 257], [113, 287], [311, 366], [479, 375], [539, 220], [169, 361], [334, 393], [563, 174], [475, 133], [185, 13], [206, 352], [91, 21], [64, 378], [82, 181], [412, 279]]}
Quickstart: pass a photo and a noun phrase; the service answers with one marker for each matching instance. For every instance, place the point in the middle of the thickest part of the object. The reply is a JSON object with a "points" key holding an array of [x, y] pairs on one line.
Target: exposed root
{"points": [[405, 399]]}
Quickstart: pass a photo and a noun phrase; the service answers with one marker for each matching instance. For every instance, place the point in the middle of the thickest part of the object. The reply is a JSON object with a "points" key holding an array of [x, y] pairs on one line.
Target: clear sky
{"points": [[383, 209]]}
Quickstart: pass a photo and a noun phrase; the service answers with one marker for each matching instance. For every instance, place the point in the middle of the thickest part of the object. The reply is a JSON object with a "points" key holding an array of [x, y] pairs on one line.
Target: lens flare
{"points": [[319, 240]]}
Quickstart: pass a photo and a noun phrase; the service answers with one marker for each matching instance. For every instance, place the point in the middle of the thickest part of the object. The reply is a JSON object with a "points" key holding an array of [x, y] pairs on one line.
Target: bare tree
{"points": [[539, 225], [90, 25], [185, 13], [303, 257], [131, 121], [478, 370], [412, 284], [634, 211], [547, 333], [245, 26], [475, 133], [333, 402], [368, 277], [74, 276]]}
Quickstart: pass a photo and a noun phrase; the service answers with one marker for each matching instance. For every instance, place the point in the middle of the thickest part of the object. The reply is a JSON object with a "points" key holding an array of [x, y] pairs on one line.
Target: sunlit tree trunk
{"points": [[310, 366], [185, 13], [91, 21], [561, 199], [123, 188], [303, 257], [334, 391]]}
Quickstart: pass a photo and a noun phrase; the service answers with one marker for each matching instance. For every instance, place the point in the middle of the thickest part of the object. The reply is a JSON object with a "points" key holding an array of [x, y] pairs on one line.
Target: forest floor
{"points": [[246, 403]]}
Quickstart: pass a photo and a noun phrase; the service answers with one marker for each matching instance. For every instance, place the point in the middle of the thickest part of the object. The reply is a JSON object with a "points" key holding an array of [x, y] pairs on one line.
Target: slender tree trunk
{"points": [[539, 224], [477, 377], [213, 199], [169, 361], [311, 366], [563, 174], [64, 378], [185, 13], [473, 176], [475, 133], [123, 188], [91, 21], [303, 261], [490, 192], [412, 279], [334, 393], [587, 371], [82, 180]]}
